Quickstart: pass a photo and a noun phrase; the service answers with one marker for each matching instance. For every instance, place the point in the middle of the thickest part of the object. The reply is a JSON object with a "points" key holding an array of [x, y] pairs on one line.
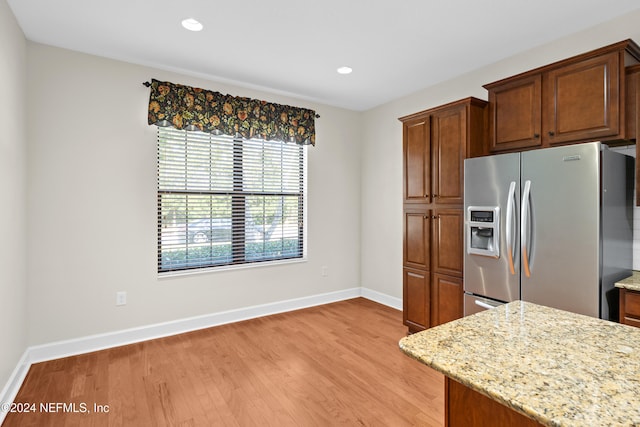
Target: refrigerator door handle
{"points": [[510, 227], [485, 305], [524, 227]]}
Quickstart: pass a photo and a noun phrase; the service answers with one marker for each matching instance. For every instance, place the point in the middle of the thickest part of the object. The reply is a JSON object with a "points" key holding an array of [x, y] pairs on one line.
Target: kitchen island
{"points": [[526, 364]]}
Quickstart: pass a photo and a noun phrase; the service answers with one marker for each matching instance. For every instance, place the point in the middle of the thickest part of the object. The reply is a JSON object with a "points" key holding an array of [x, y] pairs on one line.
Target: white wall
{"points": [[92, 205], [382, 151], [91, 170], [13, 231]]}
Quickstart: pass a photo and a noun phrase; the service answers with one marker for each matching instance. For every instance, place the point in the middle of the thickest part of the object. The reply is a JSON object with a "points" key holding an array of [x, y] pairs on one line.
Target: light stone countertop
{"points": [[632, 282], [559, 368]]}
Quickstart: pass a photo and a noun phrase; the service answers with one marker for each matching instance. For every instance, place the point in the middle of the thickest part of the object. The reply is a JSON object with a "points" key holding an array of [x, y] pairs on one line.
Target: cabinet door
{"points": [[447, 244], [629, 307], [416, 299], [448, 143], [417, 161], [515, 110], [417, 233], [632, 99], [632, 107], [447, 296], [582, 100]]}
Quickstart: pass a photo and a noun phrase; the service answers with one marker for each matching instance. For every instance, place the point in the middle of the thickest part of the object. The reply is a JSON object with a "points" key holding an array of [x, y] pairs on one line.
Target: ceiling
{"points": [[293, 47]]}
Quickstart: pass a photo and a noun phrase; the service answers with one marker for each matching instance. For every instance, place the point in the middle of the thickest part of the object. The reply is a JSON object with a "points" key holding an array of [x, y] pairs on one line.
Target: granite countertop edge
{"points": [[631, 283]]}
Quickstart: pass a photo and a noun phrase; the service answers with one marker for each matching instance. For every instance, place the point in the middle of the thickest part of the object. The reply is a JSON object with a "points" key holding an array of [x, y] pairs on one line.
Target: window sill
{"points": [[227, 268]]}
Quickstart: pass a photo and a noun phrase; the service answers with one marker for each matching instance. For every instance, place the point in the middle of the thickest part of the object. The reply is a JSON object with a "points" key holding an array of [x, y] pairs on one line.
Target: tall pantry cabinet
{"points": [[435, 144]]}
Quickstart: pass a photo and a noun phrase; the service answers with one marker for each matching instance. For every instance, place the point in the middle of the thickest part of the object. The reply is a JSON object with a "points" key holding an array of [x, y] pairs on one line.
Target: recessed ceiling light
{"points": [[191, 24], [344, 70]]}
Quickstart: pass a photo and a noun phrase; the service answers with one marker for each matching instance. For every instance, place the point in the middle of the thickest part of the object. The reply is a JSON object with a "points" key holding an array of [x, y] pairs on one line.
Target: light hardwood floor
{"points": [[336, 364]]}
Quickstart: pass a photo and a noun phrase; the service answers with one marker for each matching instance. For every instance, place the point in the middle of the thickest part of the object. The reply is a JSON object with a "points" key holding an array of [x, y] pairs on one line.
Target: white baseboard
{"points": [[73, 347], [57, 350], [12, 387], [381, 298]]}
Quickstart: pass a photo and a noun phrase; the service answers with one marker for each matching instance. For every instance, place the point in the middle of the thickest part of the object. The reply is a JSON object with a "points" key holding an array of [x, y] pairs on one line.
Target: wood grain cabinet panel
{"points": [[515, 110], [465, 407], [447, 297], [417, 160], [448, 241], [629, 307], [582, 100], [448, 141], [632, 304], [416, 299], [417, 238]]}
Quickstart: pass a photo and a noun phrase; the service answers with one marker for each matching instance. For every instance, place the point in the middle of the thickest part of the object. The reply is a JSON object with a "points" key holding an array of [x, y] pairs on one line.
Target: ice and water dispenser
{"points": [[483, 231]]}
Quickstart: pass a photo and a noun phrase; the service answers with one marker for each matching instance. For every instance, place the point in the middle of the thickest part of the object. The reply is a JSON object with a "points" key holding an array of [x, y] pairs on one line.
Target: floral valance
{"points": [[185, 107]]}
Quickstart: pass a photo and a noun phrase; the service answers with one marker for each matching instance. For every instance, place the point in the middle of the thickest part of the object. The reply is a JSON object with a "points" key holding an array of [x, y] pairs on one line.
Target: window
{"points": [[223, 201]]}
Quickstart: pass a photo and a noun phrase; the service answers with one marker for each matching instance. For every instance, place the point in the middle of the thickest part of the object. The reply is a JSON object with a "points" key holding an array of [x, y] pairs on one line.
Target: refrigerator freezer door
{"points": [[561, 231], [487, 183], [617, 228], [474, 304]]}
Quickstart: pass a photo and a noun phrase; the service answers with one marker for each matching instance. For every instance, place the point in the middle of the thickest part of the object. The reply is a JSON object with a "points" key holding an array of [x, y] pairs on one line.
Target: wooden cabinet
{"points": [[515, 109], [583, 100], [466, 407], [448, 241], [431, 303], [448, 146], [435, 144], [629, 307], [416, 301], [575, 100], [417, 160], [447, 295], [417, 238]]}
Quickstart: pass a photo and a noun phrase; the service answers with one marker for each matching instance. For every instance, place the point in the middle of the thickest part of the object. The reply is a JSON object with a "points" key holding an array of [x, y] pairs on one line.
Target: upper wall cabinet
{"points": [[584, 100], [578, 99], [515, 108]]}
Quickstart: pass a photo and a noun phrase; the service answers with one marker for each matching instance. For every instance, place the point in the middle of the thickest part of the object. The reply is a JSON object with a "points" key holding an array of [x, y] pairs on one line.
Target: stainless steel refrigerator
{"points": [[550, 226]]}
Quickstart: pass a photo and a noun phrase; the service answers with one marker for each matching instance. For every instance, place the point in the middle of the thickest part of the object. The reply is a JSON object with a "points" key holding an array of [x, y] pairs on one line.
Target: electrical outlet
{"points": [[325, 271], [121, 298]]}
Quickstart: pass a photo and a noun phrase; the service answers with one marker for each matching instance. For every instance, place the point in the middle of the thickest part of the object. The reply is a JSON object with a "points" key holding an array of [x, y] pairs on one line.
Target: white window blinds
{"points": [[223, 201]]}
